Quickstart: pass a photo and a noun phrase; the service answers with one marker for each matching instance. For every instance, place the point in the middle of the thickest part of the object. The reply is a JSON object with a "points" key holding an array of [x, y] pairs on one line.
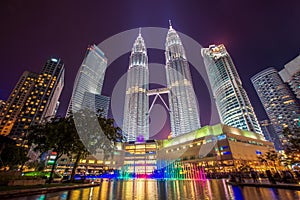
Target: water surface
{"points": [[171, 189]]}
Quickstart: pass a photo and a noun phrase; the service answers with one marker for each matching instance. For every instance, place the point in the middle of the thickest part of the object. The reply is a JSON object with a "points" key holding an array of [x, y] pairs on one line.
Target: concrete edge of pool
{"points": [[34, 191], [278, 186]]}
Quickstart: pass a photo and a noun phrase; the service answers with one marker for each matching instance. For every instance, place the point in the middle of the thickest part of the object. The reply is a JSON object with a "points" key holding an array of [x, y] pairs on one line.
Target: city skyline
{"points": [[150, 99], [250, 56]]}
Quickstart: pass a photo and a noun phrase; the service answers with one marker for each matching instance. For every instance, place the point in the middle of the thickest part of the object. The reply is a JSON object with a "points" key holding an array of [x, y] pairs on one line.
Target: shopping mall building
{"points": [[211, 148]]}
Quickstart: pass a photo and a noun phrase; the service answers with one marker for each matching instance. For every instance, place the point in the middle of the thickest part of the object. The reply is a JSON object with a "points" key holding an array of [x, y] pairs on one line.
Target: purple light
{"points": [[140, 138]]}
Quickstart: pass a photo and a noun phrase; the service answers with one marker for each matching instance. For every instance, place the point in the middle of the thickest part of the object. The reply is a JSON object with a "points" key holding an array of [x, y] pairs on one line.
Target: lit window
{"points": [[99, 161]]}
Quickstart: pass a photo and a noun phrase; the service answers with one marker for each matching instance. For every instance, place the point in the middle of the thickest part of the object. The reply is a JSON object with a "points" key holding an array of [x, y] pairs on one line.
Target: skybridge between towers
{"points": [[157, 93]]}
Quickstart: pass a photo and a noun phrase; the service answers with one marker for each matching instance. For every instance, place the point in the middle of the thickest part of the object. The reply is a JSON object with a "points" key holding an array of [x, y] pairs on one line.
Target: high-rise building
{"points": [[276, 98], [89, 77], [136, 119], [2, 104], [96, 103], [16, 101], [184, 114], [291, 75], [270, 134], [232, 101], [42, 102]]}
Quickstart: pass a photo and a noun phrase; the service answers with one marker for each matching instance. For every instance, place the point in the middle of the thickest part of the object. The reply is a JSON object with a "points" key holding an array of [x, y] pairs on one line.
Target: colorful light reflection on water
{"points": [[169, 189]]}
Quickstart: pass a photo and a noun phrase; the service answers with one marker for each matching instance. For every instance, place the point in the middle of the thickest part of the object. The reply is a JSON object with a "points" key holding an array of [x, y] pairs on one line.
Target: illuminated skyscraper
{"points": [[184, 113], [96, 103], [291, 75], [278, 101], [270, 133], [42, 102], [89, 77], [15, 102], [136, 120], [232, 101], [2, 104]]}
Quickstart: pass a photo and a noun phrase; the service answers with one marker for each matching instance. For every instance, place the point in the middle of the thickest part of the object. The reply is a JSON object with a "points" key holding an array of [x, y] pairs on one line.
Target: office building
{"points": [[89, 78], [291, 75], [96, 103], [184, 114], [270, 133], [2, 104], [231, 99], [16, 101], [136, 119], [42, 102], [277, 100]]}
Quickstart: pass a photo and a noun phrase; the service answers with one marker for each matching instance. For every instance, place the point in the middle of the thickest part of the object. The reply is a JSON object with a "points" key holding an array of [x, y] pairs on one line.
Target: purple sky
{"points": [[257, 34]]}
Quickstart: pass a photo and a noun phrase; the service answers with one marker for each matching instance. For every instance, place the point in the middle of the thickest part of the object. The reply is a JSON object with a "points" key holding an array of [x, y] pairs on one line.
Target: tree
{"points": [[11, 154], [263, 160], [63, 137], [92, 138], [270, 156], [58, 135], [292, 146]]}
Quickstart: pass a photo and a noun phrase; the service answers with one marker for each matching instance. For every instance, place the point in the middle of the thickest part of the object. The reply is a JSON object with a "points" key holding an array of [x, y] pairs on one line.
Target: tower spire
{"points": [[170, 24], [140, 31]]}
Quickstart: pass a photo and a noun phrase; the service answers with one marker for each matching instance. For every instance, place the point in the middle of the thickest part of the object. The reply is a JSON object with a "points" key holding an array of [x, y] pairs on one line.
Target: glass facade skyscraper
{"points": [[89, 78], [270, 133], [291, 75], [136, 119], [96, 103], [278, 101], [232, 101], [184, 113]]}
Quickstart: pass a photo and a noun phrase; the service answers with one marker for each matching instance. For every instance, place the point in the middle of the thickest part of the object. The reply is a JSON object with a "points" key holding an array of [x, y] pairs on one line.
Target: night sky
{"points": [[257, 34]]}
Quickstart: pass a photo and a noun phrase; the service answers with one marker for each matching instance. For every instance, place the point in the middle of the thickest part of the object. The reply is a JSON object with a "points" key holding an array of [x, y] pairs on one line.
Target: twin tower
{"points": [[183, 109]]}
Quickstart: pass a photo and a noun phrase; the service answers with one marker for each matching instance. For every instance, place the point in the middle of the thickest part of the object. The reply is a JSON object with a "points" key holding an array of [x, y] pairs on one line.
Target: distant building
{"points": [[136, 119], [291, 75], [270, 134], [16, 101], [42, 102], [275, 96], [89, 78], [232, 101], [96, 103]]}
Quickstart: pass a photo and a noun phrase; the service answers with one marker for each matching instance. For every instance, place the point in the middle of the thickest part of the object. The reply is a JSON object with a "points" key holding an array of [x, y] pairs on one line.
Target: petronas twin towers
{"points": [[183, 110]]}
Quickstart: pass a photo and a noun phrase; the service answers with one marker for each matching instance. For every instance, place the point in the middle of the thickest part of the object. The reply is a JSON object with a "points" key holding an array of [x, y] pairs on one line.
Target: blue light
{"points": [[221, 137], [54, 60], [226, 152], [258, 152]]}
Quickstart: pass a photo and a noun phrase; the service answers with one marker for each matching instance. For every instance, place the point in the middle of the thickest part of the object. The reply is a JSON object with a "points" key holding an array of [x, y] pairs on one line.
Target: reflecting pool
{"points": [[170, 189]]}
